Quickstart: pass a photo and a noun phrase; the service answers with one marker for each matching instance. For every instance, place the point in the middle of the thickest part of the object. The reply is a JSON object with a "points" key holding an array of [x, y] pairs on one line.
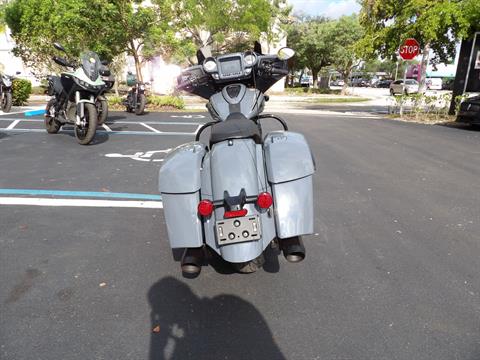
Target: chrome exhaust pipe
{"points": [[192, 261], [293, 249]]}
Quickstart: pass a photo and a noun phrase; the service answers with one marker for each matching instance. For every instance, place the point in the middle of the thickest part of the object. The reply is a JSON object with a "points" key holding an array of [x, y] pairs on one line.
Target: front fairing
{"points": [[7, 81], [82, 80], [206, 86], [90, 63]]}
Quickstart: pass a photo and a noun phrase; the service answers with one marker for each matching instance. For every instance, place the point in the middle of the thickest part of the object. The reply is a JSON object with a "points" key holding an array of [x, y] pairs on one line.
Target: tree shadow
{"points": [[461, 126], [117, 117], [185, 326]]}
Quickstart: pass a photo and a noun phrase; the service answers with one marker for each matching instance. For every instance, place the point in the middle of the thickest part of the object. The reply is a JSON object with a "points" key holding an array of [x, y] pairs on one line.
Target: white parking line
{"points": [[105, 126], [80, 202], [13, 124], [150, 128]]}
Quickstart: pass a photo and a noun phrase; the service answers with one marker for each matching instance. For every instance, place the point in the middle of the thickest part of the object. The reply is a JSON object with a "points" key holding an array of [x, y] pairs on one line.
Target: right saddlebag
{"points": [[290, 167]]}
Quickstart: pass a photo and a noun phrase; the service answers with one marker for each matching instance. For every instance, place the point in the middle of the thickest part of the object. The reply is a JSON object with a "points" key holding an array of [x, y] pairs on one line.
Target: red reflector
{"points": [[205, 208], [264, 200], [236, 213]]}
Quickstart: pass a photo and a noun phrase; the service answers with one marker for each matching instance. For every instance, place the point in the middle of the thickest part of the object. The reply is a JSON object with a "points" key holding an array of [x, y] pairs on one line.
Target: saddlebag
{"points": [[179, 184], [290, 167]]}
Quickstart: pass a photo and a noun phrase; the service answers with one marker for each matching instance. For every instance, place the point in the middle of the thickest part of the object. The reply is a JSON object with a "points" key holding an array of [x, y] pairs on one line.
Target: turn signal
{"points": [[264, 200], [205, 208]]}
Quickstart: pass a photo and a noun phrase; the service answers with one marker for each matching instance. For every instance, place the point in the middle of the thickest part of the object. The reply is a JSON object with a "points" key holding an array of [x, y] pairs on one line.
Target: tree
{"points": [[222, 24], [435, 24], [344, 34], [109, 27], [312, 42]]}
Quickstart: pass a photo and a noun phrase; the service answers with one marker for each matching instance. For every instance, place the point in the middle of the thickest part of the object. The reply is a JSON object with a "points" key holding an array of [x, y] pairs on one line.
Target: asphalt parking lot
{"points": [[391, 272]]}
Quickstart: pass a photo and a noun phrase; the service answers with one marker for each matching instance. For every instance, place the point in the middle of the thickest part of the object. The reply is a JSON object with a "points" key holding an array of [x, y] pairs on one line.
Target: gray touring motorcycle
{"points": [[241, 191], [74, 95]]}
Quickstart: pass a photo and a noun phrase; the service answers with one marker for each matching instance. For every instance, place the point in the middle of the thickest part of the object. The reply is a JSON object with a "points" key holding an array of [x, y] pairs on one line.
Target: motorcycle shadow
{"points": [[99, 138], [186, 326]]}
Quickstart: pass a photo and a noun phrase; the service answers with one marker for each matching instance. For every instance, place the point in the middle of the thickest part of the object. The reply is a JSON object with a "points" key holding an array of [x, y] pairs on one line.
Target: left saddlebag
{"points": [[179, 184]]}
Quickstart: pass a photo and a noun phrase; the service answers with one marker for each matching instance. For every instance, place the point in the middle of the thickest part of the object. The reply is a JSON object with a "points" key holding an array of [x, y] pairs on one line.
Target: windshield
{"points": [[90, 64]]}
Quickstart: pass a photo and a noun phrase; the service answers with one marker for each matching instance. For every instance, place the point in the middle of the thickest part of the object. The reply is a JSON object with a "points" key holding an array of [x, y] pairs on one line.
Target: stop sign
{"points": [[409, 49]]}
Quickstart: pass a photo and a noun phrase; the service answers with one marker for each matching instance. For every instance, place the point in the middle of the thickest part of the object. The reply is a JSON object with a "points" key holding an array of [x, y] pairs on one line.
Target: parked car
{"points": [[434, 84], [338, 82], [306, 81], [448, 84], [359, 82], [383, 84], [398, 87], [469, 112]]}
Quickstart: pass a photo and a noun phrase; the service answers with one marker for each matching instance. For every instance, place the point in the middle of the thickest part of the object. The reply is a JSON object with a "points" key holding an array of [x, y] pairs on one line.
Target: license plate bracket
{"points": [[238, 230]]}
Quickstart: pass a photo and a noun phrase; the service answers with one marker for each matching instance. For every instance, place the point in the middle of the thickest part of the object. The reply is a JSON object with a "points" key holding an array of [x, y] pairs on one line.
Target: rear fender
{"points": [[233, 168]]}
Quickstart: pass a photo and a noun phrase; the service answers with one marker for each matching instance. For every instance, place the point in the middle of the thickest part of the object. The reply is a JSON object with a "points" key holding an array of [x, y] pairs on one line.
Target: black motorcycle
{"points": [[101, 102], [73, 96], [136, 99], [6, 92]]}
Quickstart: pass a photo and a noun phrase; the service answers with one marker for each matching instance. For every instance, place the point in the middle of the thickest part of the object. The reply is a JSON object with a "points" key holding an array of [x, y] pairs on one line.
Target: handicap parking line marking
{"points": [[117, 122], [149, 133], [72, 193], [26, 110], [80, 203], [154, 122], [13, 124], [150, 128]]}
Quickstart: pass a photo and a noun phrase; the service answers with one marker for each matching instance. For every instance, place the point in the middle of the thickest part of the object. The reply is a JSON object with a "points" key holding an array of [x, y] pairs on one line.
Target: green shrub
{"points": [[310, 90], [39, 90], [21, 90], [115, 100], [166, 101]]}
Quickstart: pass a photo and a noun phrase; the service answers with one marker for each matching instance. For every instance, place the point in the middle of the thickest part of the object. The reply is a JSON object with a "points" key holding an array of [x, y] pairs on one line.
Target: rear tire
{"points": [[392, 92], [251, 266], [86, 134], [141, 102], [102, 110], [7, 102], [51, 123]]}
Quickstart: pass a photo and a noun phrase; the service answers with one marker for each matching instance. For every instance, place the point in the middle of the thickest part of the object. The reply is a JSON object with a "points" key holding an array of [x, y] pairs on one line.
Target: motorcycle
{"points": [[6, 92], [101, 102], [239, 192], [136, 99], [73, 96]]}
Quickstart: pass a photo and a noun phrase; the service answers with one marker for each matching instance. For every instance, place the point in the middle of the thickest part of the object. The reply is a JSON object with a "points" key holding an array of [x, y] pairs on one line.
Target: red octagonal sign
{"points": [[409, 49]]}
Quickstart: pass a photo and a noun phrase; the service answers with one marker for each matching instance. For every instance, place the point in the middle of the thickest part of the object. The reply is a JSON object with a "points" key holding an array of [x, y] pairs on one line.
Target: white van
{"points": [[434, 84]]}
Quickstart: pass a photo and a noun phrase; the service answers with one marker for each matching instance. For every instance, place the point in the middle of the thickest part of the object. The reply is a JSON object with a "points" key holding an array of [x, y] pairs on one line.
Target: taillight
{"points": [[235, 213], [264, 200], [205, 208]]}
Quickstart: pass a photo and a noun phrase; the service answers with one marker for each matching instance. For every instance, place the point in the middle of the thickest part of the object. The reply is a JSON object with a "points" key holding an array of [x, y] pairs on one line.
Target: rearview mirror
{"points": [[59, 47], [285, 53]]}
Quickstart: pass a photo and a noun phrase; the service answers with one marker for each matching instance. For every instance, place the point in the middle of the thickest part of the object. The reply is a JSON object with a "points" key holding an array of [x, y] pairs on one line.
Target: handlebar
{"points": [[278, 71], [184, 84], [63, 62]]}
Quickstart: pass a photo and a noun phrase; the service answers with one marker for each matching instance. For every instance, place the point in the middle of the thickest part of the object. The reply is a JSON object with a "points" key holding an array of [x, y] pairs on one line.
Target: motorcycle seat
{"points": [[236, 126]]}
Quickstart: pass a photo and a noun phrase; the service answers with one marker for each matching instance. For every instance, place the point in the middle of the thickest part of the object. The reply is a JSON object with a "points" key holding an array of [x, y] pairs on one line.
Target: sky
{"points": [[329, 8]]}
